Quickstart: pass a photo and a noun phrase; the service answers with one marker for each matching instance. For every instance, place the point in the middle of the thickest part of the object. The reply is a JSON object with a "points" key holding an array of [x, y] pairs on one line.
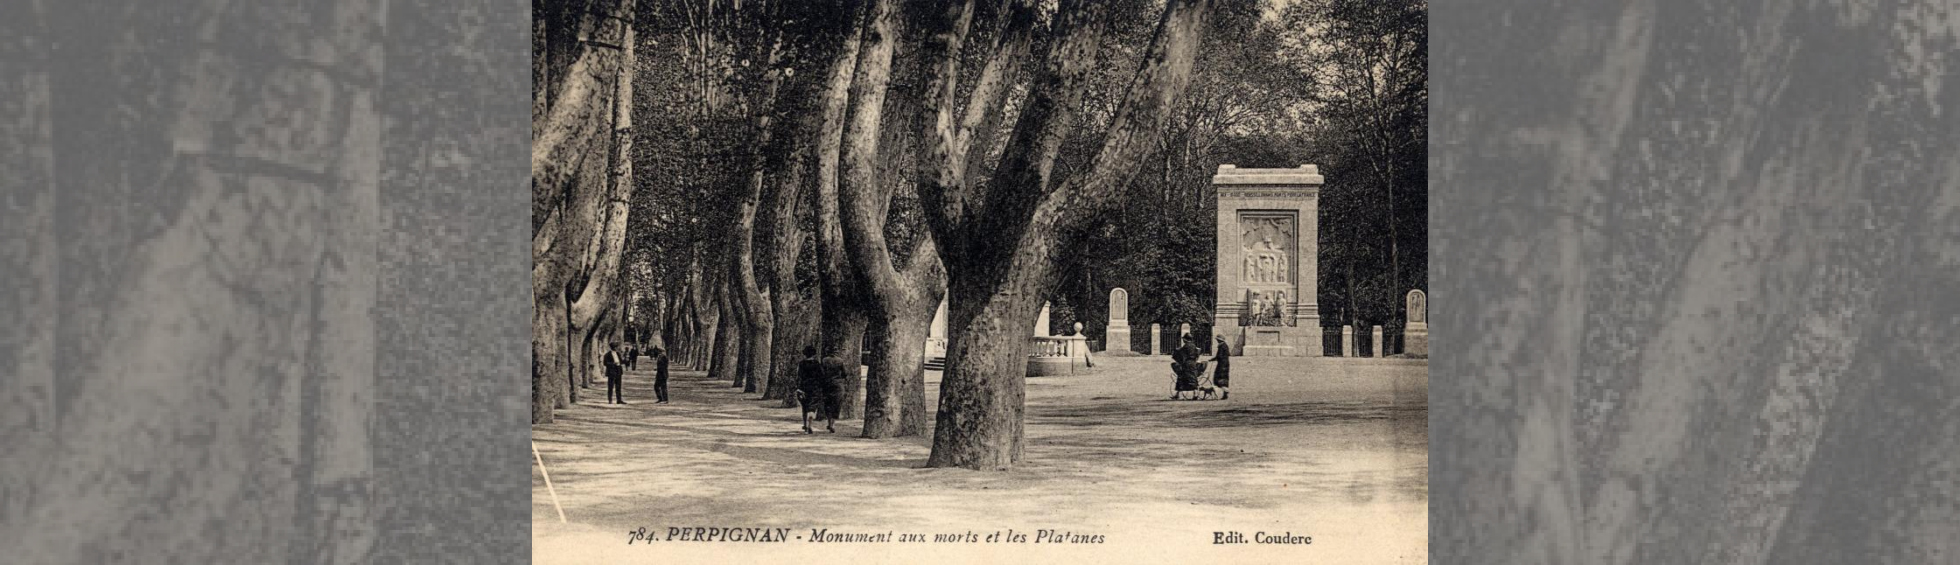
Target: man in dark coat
{"points": [[810, 385], [615, 374], [660, 374]]}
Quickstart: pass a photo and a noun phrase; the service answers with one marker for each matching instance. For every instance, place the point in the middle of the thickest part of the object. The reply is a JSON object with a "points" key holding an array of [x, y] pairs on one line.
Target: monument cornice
{"points": [[1268, 191], [1307, 177]]}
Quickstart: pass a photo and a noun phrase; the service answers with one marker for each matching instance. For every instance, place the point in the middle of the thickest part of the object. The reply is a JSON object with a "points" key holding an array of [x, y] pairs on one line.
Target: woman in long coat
{"points": [[1184, 361], [1221, 374]]}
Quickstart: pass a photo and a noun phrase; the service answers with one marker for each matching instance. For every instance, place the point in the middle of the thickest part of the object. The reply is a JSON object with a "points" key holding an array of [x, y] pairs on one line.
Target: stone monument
{"points": [[936, 340], [939, 321], [1415, 335], [1116, 338], [1268, 252], [1041, 322]]}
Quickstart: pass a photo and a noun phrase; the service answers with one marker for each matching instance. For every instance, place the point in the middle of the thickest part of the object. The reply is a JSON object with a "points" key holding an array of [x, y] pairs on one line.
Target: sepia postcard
{"points": [[1058, 281]]}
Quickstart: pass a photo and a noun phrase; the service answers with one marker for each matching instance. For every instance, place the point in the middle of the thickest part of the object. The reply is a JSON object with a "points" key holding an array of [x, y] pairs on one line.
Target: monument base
{"points": [[1415, 340], [1116, 342], [1300, 340]]}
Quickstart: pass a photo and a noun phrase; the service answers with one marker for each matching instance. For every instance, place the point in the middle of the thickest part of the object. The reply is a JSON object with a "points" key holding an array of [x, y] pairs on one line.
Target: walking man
{"points": [[660, 374], [615, 374]]}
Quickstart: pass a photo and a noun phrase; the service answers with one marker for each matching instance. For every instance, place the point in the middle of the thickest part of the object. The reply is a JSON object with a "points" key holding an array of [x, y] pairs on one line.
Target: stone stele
{"points": [[1268, 252], [1415, 336], [1116, 337]]}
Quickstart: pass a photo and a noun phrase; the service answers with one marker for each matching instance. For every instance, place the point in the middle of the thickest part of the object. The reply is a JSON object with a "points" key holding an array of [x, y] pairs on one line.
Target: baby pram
{"points": [[1190, 376]]}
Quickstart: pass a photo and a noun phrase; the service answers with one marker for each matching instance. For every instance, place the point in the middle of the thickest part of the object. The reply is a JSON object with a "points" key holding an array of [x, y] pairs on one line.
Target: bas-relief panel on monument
{"points": [[1270, 266]]}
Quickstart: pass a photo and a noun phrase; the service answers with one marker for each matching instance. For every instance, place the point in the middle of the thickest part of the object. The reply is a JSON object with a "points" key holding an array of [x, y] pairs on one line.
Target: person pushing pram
{"points": [[1189, 371]]}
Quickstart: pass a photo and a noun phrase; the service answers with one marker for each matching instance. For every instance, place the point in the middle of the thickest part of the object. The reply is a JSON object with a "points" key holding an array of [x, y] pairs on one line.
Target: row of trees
{"points": [[825, 172]]}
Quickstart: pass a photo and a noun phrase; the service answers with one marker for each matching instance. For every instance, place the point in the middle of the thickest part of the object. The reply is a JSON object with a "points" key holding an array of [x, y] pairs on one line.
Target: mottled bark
{"points": [[29, 258], [725, 352], [706, 316], [757, 315], [843, 317], [578, 207], [202, 159], [897, 301], [997, 289], [894, 396], [793, 324]]}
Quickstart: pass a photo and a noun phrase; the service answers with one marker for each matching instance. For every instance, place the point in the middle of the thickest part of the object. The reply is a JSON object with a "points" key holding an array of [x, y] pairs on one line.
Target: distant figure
{"points": [[810, 386], [1221, 375], [660, 374], [615, 373], [632, 356]]}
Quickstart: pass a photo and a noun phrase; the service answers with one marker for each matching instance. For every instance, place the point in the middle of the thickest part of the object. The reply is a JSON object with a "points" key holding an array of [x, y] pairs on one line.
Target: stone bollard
{"points": [[1156, 339], [1381, 347], [1347, 341]]}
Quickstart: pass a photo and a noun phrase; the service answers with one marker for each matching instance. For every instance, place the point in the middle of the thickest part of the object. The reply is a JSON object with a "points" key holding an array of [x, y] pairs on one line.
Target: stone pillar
{"points": [[1156, 339], [939, 321], [1116, 338], [1183, 331], [1347, 341], [1415, 334], [1268, 254], [1041, 322], [936, 340], [1381, 349]]}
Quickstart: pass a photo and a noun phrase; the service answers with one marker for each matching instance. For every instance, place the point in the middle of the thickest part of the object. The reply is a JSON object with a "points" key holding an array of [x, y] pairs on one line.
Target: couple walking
{"points": [[1190, 370], [616, 364], [820, 388]]}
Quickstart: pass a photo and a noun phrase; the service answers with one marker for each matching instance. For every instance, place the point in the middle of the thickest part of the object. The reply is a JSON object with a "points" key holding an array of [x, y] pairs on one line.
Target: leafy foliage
{"points": [[1337, 83]]}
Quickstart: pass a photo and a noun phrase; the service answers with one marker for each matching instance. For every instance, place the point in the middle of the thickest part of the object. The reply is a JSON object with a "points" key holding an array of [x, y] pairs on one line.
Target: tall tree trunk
{"points": [[996, 288], [578, 227], [758, 318], [894, 398], [738, 322], [725, 352], [898, 301], [981, 397], [757, 307], [548, 359], [707, 315], [912, 395], [793, 325], [595, 304], [196, 228], [843, 321]]}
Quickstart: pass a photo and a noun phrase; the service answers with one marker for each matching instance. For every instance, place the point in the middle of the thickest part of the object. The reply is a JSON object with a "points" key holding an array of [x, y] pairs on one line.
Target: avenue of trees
{"points": [[737, 180]]}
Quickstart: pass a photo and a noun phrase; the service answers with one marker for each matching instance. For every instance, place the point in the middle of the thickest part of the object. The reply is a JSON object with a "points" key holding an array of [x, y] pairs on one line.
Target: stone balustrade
{"points": [[1058, 355]]}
